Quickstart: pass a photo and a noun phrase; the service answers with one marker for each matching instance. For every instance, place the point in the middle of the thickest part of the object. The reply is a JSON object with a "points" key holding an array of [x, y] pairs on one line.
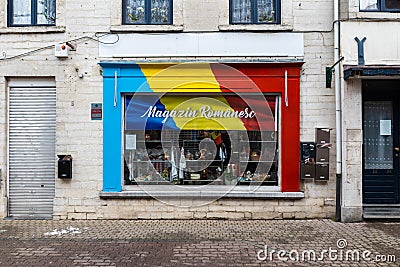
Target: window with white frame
{"points": [[147, 12], [31, 12], [254, 11], [380, 5]]}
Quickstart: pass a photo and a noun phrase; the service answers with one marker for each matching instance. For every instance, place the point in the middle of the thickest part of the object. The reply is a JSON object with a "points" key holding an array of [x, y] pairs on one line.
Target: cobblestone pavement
{"points": [[198, 243]]}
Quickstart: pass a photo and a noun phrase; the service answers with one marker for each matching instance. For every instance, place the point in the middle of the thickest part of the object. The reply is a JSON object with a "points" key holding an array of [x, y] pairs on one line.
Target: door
{"points": [[381, 142], [32, 125]]}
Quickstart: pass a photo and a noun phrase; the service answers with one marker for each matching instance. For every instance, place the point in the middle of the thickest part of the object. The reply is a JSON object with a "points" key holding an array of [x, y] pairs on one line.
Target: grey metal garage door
{"points": [[32, 128]]}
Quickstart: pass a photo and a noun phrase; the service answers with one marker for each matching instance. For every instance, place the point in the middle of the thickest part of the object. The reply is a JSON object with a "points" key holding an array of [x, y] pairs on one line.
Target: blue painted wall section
{"points": [[130, 80]]}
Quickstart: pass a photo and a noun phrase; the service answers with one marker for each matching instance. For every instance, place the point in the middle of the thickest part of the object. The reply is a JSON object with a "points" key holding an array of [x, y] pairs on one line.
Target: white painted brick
{"points": [[266, 215], [93, 216], [75, 201], [219, 214], [76, 216], [213, 208], [235, 215], [85, 209], [200, 215]]}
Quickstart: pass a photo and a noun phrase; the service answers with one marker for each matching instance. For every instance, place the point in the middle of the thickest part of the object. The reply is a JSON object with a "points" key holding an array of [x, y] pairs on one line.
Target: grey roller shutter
{"points": [[32, 129]]}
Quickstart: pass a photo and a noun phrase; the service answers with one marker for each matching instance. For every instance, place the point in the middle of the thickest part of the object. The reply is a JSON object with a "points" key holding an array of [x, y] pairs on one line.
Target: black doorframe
{"points": [[382, 186]]}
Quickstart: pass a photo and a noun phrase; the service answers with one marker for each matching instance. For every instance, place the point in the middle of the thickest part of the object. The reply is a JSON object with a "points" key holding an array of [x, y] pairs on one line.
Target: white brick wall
{"points": [[82, 138], [233, 209]]}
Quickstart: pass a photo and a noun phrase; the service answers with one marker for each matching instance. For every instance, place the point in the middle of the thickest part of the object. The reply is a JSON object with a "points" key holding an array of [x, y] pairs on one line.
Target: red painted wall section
{"points": [[270, 78]]}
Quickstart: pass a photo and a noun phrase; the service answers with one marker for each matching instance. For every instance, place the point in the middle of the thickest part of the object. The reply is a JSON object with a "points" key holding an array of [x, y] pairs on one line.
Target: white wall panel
{"points": [[204, 44], [382, 45]]}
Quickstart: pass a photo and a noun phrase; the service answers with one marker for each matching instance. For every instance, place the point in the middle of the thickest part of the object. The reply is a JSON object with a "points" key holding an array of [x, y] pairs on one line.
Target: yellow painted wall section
{"points": [[179, 78]]}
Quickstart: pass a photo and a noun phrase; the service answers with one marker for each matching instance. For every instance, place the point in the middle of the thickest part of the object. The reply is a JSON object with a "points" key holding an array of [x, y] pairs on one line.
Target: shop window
{"points": [[147, 12], [380, 5], [254, 11], [215, 153], [31, 12]]}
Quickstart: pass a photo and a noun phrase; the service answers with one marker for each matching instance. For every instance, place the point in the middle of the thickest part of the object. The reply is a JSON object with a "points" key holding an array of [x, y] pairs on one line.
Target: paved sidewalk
{"points": [[198, 243]]}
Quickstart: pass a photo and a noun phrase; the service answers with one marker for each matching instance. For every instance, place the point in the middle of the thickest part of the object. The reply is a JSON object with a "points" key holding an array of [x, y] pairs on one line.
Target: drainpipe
{"points": [[338, 110]]}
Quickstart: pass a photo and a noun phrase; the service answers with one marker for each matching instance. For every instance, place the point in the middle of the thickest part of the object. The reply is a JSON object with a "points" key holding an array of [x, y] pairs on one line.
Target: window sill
{"points": [[255, 27], [375, 16], [146, 28], [32, 29], [242, 192]]}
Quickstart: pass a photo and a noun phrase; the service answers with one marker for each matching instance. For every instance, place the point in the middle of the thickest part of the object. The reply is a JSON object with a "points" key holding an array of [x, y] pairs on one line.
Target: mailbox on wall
{"points": [[322, 154], [321, 172], [307, 164], [322, 136], [314, 156], [64, 166]]}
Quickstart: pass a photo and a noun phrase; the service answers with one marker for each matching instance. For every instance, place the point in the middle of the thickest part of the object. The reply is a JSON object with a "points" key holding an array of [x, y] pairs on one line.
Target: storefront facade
{"points": [[200, 117], [238, 103], [202, 136]]}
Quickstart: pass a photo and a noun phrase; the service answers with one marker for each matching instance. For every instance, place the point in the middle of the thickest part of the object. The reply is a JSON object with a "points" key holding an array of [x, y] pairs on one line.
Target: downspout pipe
{"points": [[338, 113]]}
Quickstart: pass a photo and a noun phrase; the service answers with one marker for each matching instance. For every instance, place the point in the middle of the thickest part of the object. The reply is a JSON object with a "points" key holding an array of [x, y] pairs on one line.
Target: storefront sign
{"points": [[205, 111], [199, 113]]}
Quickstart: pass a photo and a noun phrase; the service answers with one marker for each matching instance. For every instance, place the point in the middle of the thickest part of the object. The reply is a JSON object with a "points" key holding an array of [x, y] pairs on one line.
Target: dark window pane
{"points": [[160, 11], [148, 12], [46, 12], [266, 11], [135, 12], [392, 4], [241, 11], [22, 11]]}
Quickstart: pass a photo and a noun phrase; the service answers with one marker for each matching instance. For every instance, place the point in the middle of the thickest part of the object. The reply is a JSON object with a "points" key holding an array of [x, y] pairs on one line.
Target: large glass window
{"points": [[380, 5], [147, 12], [254, 11], [31, 12], [217, 152]]}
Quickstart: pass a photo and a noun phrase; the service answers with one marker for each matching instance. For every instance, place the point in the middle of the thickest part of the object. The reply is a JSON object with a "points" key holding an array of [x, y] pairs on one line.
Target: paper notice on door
{"points": [[385, 127], [130, 142]]}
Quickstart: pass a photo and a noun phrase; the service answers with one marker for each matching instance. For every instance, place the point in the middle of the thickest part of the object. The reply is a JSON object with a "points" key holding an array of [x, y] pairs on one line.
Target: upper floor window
{"points": [[380, 5], [254, 11], [147, 11], [31, 12]]}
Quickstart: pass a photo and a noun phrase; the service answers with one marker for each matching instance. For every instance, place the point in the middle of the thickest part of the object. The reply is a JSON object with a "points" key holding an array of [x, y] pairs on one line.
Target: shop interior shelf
{"points": [[152, 161], [154, 141], [257, 141], [257, 183], [205, 160], [153, 182], [187, 181], [257, 161]]}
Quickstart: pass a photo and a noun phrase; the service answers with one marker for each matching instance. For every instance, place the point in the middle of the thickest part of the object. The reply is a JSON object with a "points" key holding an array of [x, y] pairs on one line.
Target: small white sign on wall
{"points": [[385, 127]]}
